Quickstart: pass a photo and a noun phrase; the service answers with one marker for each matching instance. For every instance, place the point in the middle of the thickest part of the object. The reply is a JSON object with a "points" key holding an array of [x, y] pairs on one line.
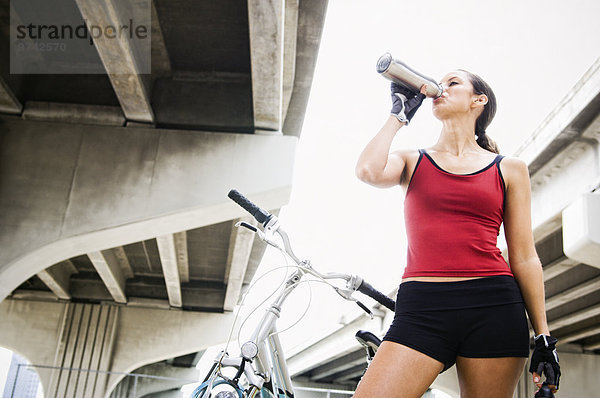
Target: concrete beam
{"points": [[37, 295], [290, 35], [161, 64], [57, 278], [181, 252], [579, 335], [265, 21], [574, 293], [123, 262], [564, 178], [332, 344], [581, 230], [574, 317], [121, 59], [108, 267], [168, 260], [554, 133], [351, 373], [562, 152], [592, 346], [557, 267], [240, 247], [339, 365], [74, 113], [67, 190], [8, 101], [311, 17], [195, 296]]}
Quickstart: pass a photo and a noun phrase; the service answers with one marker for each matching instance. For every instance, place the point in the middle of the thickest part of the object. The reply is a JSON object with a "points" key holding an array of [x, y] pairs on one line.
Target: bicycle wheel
{"points": [[228, 392]]}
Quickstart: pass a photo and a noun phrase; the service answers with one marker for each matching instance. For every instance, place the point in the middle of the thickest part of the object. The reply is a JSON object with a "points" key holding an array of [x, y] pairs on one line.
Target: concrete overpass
{"points": [[118, 250], [563, 155]]}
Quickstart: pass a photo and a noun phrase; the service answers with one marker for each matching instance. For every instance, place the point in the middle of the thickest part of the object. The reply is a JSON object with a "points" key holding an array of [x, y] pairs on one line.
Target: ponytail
{"points": [[488, 113], [486, 142]]}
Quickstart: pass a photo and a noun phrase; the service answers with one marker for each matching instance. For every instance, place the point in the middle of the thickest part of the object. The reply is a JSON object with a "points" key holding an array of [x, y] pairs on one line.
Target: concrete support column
{"points": [[86, 341], [58, 338]]}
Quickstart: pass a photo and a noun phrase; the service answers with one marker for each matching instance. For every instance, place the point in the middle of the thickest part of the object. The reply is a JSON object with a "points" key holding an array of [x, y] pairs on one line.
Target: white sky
{"points": [[531, 52]]}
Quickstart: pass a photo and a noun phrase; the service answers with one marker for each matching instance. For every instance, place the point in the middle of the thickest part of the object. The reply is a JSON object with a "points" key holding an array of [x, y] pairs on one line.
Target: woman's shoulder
{"points": [[514, 164], [514, 170], [407, 154]]}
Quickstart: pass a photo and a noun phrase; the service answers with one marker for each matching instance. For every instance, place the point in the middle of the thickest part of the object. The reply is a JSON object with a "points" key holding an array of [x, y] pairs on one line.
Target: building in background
{"points": [[22, 380]]}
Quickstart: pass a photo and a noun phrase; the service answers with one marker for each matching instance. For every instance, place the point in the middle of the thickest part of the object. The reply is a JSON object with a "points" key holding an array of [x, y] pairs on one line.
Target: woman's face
{"points": [[458, 96]]}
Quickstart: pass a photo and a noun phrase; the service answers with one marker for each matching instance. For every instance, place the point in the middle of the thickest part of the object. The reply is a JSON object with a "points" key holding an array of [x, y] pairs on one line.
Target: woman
{"points": [[459, 302]]}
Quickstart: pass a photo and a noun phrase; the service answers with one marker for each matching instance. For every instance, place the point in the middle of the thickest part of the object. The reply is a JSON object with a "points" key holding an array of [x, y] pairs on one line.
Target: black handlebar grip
{"points": [[366, 288], [262, 216]]}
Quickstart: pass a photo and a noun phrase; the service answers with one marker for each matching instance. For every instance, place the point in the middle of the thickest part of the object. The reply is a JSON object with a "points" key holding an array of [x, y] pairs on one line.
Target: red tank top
{"points": [[453, 220]]}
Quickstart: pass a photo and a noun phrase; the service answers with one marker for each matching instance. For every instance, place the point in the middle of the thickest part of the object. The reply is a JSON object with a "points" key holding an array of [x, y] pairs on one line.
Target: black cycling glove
{"points": [[405, 102], [544, 359]]}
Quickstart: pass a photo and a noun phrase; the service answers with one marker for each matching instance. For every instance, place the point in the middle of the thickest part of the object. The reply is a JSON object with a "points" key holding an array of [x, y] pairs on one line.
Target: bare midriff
{"points": [[440, 278]]}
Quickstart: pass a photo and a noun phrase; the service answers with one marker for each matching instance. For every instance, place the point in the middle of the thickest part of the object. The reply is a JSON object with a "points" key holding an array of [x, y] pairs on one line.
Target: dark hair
{"points": [[489, 111]]}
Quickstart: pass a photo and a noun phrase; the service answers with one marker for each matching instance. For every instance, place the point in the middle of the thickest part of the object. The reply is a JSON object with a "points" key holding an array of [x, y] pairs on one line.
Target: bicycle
{"points": [[261, 369]]}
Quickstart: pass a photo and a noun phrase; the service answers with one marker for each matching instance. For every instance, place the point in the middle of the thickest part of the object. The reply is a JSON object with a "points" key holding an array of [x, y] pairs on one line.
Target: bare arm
{"points": [[378, 167], [522, 256]]}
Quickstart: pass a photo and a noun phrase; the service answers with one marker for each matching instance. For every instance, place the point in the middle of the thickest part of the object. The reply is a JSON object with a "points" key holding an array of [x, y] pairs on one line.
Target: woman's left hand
{"points": [[544, 361]]}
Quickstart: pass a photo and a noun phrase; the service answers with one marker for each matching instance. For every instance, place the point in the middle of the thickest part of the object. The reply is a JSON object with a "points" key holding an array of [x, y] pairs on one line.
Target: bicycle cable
{"points": [[231, 331], [320, 280], [278, 288], [219, 365], [303, 314], [250, 288]]}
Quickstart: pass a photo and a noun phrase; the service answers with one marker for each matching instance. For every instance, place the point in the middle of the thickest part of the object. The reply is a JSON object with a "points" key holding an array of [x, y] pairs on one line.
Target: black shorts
{"points": [[476, 318]]}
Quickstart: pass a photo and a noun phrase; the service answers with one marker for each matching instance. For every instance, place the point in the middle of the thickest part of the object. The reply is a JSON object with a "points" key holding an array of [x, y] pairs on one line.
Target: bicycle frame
{"points": [[263, 360]]}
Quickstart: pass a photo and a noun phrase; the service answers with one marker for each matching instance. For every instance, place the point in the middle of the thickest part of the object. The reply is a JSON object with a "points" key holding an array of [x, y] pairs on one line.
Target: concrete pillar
{"points": [[86, 341], [61, 337]]}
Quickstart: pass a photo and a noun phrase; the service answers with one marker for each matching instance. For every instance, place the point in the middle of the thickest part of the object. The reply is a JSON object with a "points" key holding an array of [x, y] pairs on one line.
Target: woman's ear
{"points": [[480, 99]]}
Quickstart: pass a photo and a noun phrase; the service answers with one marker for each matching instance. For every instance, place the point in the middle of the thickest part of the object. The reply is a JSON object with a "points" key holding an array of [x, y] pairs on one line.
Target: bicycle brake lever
{"points": [[365, 309], [347, 294], [252, 228], [246, 225]]}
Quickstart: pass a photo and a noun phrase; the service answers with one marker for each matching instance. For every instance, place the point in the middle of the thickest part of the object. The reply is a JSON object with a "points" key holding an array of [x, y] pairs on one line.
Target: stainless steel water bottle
{"points": [[397, 71]]}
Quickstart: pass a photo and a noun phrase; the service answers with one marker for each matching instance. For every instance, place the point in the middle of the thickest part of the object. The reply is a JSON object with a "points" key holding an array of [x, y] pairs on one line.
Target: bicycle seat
{"points": [[369, 341]]}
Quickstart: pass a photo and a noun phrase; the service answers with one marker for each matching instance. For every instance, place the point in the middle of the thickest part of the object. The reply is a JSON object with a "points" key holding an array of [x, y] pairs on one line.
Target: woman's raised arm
{"points": [[376, 166]]}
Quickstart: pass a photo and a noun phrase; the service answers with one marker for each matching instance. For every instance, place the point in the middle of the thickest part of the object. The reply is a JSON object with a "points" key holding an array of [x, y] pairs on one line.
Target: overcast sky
{"points": [[531, 52]]}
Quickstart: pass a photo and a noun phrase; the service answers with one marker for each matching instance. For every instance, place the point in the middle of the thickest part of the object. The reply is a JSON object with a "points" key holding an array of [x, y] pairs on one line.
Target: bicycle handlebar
{"points": [[262, 216], [366, 288]]}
